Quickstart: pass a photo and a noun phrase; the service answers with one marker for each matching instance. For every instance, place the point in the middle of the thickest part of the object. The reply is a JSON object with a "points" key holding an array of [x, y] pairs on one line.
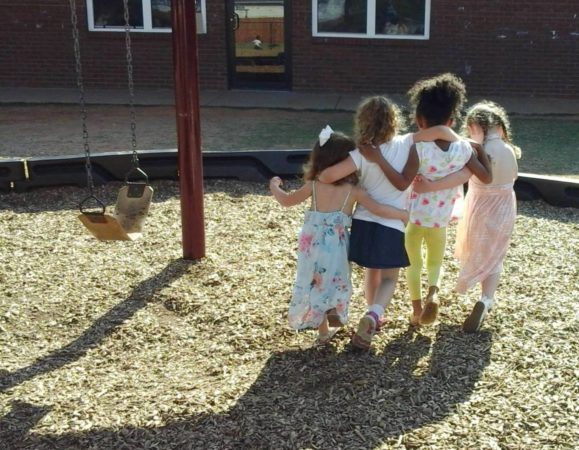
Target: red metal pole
{"points": [[188, 127]]}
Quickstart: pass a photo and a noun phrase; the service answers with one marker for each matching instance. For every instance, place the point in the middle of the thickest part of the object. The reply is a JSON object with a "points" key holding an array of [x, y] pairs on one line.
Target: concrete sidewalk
{"points": [[312, 101]]}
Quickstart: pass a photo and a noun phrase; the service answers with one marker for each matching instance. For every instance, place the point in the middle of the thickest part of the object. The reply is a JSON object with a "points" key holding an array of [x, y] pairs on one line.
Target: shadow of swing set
{"points": [[134, 198]]}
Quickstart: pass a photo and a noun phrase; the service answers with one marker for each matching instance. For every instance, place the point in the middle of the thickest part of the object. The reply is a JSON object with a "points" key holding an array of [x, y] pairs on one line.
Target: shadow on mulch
{"points": [[99, 330], [308, 398]]}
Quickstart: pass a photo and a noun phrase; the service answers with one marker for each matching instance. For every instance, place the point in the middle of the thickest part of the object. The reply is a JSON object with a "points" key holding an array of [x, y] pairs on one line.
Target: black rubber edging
{"points": [[243, 165]]}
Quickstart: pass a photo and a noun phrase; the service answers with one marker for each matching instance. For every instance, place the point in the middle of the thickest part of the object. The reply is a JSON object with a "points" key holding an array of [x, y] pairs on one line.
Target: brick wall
{"points": [[498, 47], [37, 49]]}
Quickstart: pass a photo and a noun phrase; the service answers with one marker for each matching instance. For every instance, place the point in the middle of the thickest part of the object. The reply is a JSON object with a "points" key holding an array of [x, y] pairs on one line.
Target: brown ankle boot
{"points": [[430, 311]]}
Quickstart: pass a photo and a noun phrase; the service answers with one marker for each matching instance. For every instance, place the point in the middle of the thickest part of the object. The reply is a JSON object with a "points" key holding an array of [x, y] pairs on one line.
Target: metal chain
{"points": [[129, 56], [80, 84]]}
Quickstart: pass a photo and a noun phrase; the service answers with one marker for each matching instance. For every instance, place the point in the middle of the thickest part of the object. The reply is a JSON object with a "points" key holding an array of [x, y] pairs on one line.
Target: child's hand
{"points": [[421, 185], [275, 182], [405, 217], [370, 152], [476, 133]]}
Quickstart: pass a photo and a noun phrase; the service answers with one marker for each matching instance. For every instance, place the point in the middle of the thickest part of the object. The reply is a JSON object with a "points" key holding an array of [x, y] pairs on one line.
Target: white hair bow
{"points": [[325, 135]]}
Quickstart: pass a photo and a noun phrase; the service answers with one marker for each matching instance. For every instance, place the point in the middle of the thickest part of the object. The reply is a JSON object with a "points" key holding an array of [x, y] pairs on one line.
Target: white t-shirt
{"points": [[373, 180]]}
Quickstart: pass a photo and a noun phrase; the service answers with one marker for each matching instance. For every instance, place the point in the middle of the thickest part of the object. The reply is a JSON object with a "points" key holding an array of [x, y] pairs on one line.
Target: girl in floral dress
{"points": [[322, 290], [436, 101]]}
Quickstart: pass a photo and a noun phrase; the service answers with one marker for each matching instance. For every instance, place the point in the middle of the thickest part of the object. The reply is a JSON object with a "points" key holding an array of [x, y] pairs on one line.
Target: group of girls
{"points": [[402, 190]]}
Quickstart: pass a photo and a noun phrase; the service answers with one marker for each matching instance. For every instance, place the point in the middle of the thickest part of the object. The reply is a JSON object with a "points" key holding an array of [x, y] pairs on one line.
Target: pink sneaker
{"points": [[381, 324], [366, 331]]}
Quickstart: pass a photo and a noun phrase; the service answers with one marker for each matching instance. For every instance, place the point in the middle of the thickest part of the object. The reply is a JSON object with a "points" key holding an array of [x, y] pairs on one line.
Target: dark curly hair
{"points": [[336, 150], [438, 99]]}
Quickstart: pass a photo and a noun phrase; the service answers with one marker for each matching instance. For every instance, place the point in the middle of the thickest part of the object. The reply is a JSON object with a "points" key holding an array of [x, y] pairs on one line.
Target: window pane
{"points": [[342, 16], [404, 17], [110, 13], [161, 13]]}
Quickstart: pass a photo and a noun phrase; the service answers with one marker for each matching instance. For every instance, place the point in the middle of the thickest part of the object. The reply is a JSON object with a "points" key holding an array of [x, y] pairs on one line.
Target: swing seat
{"points": [[132, 206], [126, 224], [105, 227]]}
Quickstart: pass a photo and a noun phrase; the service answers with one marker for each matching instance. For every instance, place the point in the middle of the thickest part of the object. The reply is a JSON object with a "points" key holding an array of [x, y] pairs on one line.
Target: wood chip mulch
{"points": [[124, 345]]}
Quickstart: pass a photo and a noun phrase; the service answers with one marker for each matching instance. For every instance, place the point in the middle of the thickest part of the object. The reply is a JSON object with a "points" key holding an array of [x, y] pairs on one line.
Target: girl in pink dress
{"points": [[485, 230]]}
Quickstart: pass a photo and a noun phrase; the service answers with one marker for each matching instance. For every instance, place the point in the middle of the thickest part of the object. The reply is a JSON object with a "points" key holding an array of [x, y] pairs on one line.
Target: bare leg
{"points": [[324, 328], [387, 286], [381, 299], [490, 284], [372, 279], [325, 333], [484, 305]]}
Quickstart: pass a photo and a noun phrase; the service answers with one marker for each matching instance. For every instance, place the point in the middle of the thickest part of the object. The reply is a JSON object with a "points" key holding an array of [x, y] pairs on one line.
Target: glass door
{"points": [[258, 50]]}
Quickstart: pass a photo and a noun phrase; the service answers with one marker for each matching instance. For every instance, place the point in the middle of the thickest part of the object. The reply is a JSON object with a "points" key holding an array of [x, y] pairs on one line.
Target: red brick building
{"points": [[514, 47]]}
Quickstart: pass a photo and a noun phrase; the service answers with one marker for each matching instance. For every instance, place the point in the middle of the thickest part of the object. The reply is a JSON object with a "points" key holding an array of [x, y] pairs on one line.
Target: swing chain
{"points": [[80, 84], [131, 84]]}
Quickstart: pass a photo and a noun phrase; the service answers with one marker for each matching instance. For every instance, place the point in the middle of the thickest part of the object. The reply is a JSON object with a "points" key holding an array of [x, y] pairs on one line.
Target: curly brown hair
{"points": [[335, 150], [438, 99], [377, 120], [489, 115]]}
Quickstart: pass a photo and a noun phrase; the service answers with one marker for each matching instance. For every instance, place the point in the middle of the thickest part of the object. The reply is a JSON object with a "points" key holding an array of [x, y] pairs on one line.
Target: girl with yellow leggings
{"points": [[435, 240]]}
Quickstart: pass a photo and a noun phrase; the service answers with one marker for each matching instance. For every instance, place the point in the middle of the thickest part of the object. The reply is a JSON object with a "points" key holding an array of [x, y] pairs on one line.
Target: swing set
{"points": [[134, 198]]}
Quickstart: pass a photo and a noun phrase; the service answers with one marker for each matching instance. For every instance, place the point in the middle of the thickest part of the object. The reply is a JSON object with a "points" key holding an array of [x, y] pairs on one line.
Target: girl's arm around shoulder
{"points": [[338, 171], [289, 198], [438, 132], [400, 181], [422, 184], [481, 165], [388, 212]]}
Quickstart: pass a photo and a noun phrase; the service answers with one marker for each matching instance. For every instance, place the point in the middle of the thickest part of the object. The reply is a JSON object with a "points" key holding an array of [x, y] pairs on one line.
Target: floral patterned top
{"points": [[434, 209]]}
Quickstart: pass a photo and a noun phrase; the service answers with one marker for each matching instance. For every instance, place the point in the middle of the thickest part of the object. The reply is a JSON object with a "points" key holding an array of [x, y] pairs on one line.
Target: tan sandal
{"points": [[334, 318], [324, 339]]}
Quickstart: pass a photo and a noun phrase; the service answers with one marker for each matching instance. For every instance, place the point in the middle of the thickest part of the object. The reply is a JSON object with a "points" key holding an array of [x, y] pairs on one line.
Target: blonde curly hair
{"points": [[377, 120], [489, 115]]}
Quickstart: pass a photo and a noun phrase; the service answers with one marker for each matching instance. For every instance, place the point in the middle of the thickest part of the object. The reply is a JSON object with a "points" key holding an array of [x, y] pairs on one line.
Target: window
{"points": [[373, 19], [144, 15]]}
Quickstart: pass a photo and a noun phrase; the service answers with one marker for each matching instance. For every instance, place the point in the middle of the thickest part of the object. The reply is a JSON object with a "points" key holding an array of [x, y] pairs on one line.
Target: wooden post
{"points": [[188, 127]]}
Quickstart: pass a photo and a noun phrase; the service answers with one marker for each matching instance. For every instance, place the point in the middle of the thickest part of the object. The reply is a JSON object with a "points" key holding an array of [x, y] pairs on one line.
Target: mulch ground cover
{"points": [[124, 345]]}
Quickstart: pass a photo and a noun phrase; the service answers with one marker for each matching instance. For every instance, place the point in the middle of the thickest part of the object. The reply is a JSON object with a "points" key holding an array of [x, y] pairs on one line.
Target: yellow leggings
{"points": [[435, 240]]}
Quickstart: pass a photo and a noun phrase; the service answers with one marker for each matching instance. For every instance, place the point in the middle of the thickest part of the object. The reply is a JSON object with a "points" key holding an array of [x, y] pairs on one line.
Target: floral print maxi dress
{"points": [[323, 272]]}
